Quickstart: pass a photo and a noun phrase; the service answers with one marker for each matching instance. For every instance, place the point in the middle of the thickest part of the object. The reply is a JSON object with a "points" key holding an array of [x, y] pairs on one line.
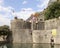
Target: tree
{"points": [[53, 11], [6, 33], [4, 30]]}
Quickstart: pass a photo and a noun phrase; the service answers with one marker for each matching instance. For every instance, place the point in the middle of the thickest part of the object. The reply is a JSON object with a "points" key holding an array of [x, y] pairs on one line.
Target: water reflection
{"points": [[29, 46], [5, 45], [22, 45], [41, 45]]}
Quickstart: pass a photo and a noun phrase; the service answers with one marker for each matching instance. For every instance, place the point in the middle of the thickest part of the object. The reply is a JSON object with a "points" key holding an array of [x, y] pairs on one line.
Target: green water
{"points": [[28, 46]]}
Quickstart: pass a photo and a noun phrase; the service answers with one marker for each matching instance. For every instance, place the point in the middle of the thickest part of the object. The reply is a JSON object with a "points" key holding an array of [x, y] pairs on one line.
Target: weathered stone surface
{"points": [[22, 36], [41, 35], [51, 24]]}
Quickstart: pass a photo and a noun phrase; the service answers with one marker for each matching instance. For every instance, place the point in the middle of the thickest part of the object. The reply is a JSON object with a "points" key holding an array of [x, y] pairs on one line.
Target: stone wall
{"points": [[41, 36], [17, 24], [39, 26], [51, 24], [58, 36], [22, 36], [19, 34], [44, 36]]}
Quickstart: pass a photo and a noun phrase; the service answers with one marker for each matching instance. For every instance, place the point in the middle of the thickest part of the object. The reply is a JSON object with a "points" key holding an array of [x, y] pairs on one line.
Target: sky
{"points": [[20, 8]]}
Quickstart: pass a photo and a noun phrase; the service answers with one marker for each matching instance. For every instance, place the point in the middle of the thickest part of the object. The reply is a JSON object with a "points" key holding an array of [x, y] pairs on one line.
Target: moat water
{"points": [[28, 46]]}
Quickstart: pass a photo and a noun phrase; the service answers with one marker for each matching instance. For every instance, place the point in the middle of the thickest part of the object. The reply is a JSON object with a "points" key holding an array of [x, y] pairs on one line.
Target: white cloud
{"points": [[1, 2], [24, 2], [24, 13], [5, 17], [43, 5], [6, 9], [27, 9], [4, 21]]}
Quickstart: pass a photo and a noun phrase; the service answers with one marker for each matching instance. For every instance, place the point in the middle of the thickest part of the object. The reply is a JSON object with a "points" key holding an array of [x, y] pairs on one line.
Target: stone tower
{"points": [[16, 25], [19, 33]]}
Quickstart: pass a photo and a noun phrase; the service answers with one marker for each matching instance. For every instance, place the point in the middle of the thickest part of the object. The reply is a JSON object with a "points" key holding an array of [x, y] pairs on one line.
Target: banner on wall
{"points": [[54, 31]]}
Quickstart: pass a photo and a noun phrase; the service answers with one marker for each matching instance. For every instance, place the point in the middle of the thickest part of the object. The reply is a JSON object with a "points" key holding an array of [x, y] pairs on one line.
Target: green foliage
{"points": [[53, 11], [4, 30]]}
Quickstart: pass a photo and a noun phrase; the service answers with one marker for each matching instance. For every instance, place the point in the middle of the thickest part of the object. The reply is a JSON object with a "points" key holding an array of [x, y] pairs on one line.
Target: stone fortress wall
{"points": [[24, 34], [20, 33], [41, 33], [44, 36]]}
